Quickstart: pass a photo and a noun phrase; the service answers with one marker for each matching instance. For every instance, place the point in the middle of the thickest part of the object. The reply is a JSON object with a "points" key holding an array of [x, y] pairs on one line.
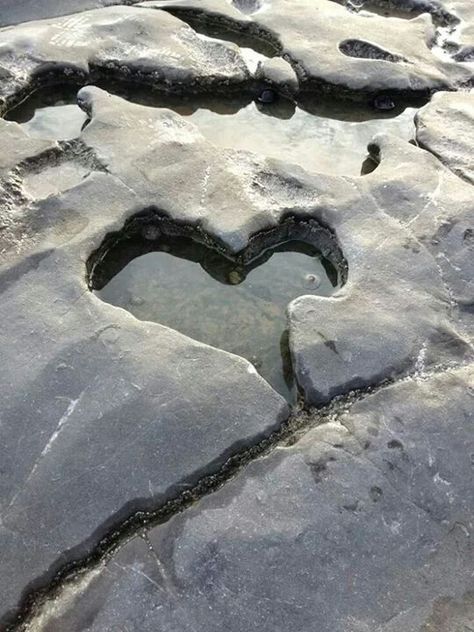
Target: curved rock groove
{"points": [[243, 33]]}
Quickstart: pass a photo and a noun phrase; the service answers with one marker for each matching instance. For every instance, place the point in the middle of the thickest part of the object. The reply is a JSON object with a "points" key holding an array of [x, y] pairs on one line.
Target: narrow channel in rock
{"points": [[322, 137]]}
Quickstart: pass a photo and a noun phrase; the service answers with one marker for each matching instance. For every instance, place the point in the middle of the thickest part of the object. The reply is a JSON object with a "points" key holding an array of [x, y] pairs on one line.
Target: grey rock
{"points": [[436, 209], [445, 127], [266, 96], [331, 48], [333, 350], [365, 524], [14, 12], [104, 43], [102, 414]]}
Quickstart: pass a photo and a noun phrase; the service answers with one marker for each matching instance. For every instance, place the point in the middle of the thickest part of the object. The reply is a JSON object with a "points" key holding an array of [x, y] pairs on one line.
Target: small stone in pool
{"points": [[234, 277], [266, 96], [312, 282], [383, 102]]}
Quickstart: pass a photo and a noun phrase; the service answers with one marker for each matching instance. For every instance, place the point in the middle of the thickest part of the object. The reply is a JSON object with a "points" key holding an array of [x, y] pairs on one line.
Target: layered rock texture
{"points": [[152, 482]]}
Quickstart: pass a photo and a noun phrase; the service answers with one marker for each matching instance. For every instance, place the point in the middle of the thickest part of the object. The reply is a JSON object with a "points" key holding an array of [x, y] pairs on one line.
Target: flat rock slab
{"points": [[125, 413], [365, 524], [445, 127]]}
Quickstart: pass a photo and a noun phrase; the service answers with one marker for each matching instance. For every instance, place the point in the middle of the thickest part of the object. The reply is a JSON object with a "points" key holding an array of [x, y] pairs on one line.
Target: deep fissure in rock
{"points": [[180, 277]]}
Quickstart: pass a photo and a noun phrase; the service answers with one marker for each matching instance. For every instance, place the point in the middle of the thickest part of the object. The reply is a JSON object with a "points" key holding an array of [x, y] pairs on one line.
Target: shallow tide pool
{"points": [[326, 138], [200, 293]]}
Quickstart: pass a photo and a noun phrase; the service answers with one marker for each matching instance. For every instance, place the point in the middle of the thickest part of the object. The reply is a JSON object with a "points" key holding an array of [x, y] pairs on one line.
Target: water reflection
{"points": [[49, 116]]}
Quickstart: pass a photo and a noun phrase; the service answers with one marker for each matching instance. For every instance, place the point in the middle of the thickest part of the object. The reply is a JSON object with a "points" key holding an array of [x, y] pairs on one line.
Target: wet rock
{"points": [[14, 12], [103, 415], [113, 430], [339, 532]]}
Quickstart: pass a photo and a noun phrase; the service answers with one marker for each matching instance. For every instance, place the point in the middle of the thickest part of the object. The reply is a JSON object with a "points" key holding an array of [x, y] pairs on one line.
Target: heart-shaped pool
{"points": [[234, 303]]}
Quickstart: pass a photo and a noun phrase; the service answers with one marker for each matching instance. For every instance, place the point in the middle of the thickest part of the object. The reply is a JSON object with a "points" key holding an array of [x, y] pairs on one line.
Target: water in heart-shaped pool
{"points": [[239, 307]]}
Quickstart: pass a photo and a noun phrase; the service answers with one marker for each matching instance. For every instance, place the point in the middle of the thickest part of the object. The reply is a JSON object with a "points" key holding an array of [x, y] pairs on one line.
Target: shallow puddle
{"points": [[324, 137], [316, 142], [53, 180], [46, 116], [199, 292]]}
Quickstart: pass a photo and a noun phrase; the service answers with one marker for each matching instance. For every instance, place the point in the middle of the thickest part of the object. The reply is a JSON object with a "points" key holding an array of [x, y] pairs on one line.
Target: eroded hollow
{"points": [[247, 35], [179, 277], [324, 136], [50, 113], [366, 50]]}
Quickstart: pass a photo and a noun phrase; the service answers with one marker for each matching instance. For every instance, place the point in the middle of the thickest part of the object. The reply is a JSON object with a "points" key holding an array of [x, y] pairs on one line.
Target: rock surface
{"points": [[358, 54], [14, 12], [123, 411], [361, 524], [117, 42], [445, 127], [365, 524]]}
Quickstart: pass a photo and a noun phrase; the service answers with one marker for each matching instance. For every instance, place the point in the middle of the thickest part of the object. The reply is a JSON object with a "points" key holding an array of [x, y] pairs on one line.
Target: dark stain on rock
{"points": [[330, 344], [468, 237], [352, 506], [413, 245], [395, 444], [375, 493], [319, 467], [317, 470], [445, 228]]}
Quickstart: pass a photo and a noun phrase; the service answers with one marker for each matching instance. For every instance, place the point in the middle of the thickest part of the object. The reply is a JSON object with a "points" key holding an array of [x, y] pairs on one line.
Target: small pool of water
{"points": [[316, 142], [48, 117], [324, 137], [199, 292]]}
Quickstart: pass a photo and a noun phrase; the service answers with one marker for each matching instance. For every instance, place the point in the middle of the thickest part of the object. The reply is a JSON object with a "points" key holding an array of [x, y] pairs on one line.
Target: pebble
{"points": [[383, 102], [266, 96]]}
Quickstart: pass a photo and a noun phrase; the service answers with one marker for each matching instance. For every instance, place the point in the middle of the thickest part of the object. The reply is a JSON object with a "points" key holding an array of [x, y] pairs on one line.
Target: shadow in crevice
{"points": [[245, 34], [368, 166]]}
